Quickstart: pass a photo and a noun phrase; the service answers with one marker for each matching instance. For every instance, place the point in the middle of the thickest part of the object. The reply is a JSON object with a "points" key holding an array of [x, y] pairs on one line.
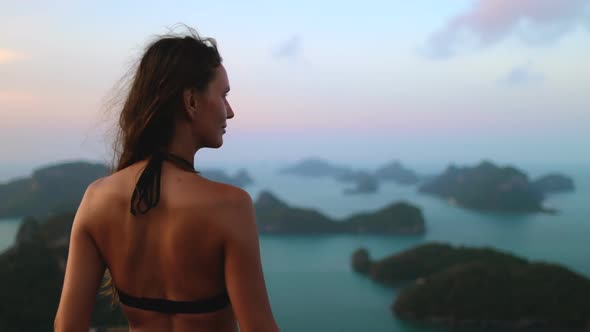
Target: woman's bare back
{"points": [[174, 252]]}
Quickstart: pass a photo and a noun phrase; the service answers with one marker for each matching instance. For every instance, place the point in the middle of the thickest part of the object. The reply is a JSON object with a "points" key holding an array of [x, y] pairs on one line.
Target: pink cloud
{"points": [[490, 21]]}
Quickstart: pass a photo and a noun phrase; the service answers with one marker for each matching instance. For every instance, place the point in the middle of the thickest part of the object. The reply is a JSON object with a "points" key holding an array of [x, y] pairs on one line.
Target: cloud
{"points": [[490, 21], [522, 75], [291, 48], [7, 56]]}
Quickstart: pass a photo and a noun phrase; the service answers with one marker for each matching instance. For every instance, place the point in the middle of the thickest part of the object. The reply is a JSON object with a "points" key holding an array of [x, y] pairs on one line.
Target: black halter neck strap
{"points": [[147, 189]]}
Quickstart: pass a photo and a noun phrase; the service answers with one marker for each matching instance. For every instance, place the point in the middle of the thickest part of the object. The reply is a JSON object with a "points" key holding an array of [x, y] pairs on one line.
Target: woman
{"points": [[182, 251]]}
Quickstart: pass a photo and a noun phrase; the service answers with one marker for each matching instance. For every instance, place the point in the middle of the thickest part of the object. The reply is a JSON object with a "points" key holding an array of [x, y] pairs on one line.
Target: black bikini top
{"points": [[146, 196], [210, 304]]}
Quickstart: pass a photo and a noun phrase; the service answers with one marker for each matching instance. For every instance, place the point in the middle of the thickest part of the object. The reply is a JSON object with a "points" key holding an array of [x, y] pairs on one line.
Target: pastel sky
{"points": [[370, 81]]}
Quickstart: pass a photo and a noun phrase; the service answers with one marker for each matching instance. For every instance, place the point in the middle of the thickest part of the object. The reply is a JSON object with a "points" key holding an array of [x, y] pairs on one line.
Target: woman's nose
{"points": [[230, 111]]}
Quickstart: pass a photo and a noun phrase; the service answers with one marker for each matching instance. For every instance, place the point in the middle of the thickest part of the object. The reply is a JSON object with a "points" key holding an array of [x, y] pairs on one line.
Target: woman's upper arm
{"points": [[243, 269], [84, 270]]}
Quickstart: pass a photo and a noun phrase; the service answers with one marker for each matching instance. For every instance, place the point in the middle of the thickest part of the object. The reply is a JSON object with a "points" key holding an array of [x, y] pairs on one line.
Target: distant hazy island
{"points": [[240, 179], [483, 287], [55, 188], [487, 187], [59, 188], [365, 181], [395, 171], [275, 216], [31, 277], [554, 183], [315, 167]]}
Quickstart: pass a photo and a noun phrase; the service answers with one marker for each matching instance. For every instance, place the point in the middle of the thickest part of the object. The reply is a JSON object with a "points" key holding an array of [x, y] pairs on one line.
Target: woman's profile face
{"points": [[213, 110]]}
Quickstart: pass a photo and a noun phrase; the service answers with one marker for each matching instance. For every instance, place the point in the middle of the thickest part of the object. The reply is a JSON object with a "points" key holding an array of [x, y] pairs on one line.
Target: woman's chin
{"points": [[218, 143]]}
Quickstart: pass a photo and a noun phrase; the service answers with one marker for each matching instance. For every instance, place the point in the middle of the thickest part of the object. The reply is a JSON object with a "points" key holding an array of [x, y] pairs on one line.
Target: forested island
{"points": [[275, 216], [487, 187], [31, 277], [482, 287]]}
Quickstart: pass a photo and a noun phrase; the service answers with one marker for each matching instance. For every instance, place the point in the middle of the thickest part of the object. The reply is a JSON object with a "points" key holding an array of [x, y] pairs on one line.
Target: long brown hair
{"points": [[152, 98], [170, 64]]}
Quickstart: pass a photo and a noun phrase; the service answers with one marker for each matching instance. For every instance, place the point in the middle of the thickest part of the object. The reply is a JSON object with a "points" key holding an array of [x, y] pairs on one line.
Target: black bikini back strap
{"points": [[166, 306], [146, 194]]}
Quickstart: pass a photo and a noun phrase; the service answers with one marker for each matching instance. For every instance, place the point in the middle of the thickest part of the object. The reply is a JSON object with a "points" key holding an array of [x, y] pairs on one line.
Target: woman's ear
{"points": [[189, 98]]}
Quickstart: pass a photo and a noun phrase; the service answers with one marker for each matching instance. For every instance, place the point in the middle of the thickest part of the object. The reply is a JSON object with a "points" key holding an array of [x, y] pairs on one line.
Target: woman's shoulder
{"points": [[116, 185], [105, 188], [110, 194], [104, 196], [229, 204], [227, 196]]}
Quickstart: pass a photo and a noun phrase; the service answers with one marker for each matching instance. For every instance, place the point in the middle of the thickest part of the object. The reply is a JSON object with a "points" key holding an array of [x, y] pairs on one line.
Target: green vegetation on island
{"points": [[487, 187], [365, 183], [481, 287], [427, 259], [51, 189], [554, 183], [395, 171], [275, 216], [315, 167], [31, 277]]}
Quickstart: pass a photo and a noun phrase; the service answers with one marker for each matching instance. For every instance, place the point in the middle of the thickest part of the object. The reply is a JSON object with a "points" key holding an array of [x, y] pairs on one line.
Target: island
{"points": [[31, 277], [315, 167], [554, 183], [395, 171], [51, 189], [275, 216], [364, 182], [487, 187], [479, 287], [240, 179], [424, 260]]}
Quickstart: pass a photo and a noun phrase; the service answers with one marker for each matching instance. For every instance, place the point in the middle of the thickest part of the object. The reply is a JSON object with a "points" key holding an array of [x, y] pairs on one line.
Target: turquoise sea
{"points": [[310, 281]]}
